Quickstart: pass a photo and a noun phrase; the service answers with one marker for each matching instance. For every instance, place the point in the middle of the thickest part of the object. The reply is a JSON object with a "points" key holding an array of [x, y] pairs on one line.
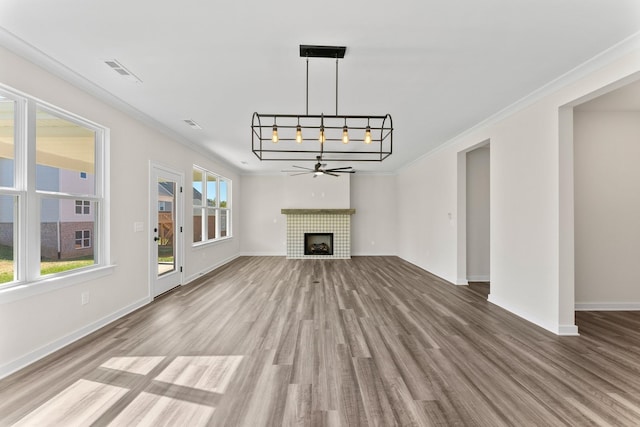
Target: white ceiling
{"points": [[438, 67]]}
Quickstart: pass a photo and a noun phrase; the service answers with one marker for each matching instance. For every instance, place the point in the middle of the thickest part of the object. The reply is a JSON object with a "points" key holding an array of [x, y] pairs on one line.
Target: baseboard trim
{"points": [[607, 306], [568, 331], [462, 282], [22, 362], [282, 254], [370, 254], [199, 274], [478, 278]]}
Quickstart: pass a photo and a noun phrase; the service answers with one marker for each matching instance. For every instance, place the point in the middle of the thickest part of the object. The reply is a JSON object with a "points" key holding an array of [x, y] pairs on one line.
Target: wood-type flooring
{"points": [[266, 341]]}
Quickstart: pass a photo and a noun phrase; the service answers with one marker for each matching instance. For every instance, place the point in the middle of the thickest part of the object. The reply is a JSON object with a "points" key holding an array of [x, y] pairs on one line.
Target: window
{"points": [[211, 206], [83, 239], [8, 192], [83, 207], [64, 204]]}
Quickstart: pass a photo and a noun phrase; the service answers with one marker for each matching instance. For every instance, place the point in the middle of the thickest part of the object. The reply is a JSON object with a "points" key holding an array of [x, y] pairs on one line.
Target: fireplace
{"points": [[318, 243], [319, 222]]}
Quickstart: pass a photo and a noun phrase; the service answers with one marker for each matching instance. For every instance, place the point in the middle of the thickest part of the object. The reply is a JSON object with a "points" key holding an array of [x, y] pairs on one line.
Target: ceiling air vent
{"points": [[122, 70], [192, 123]]}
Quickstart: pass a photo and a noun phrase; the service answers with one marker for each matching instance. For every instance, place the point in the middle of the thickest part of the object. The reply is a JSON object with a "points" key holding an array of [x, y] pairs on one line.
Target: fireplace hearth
{"points": [[318, 243]]}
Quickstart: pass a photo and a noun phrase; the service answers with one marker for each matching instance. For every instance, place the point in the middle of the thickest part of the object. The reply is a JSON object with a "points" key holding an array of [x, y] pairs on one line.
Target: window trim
{"points": [[205, 208], [29, 281]]}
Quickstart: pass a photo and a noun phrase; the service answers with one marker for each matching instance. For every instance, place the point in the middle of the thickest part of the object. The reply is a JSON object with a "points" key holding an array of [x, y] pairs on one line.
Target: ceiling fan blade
{"points": [[342, 168], [302, 167], [301, 173], [329, 170], [330, 173]]}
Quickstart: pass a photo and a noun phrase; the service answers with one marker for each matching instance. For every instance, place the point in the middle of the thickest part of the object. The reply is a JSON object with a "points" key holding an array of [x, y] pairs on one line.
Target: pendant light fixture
{"points": [[340, 137], [298, 133], [345, 133], [367, 134]]}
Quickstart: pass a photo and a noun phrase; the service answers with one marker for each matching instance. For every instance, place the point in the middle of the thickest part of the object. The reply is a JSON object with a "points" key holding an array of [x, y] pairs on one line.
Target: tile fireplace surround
{"points": [[336, 221]]}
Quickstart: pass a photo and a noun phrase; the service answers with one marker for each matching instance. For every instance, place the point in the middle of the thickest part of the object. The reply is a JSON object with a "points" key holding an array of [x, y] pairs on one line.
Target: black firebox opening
{"points": [[318, 243]]}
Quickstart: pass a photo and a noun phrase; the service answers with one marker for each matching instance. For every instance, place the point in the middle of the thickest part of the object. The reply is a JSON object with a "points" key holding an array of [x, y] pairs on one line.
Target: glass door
{"points": [[166, 203]]}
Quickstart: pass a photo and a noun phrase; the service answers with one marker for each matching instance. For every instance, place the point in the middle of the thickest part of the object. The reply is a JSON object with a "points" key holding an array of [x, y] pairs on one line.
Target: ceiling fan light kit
{"points": [[299, 137], [320, 169]]}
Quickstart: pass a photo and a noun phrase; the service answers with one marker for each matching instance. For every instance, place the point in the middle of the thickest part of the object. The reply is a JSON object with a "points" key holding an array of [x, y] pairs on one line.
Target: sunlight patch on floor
{"points": [[84, 402]]}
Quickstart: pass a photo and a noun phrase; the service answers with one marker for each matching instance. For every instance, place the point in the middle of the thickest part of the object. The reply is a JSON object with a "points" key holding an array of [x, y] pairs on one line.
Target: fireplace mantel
{"points": [[318, 211]]}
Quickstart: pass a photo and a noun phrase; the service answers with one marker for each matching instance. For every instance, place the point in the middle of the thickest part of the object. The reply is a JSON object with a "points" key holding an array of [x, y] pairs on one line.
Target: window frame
{"points": [[205, 208], [28, 279]]}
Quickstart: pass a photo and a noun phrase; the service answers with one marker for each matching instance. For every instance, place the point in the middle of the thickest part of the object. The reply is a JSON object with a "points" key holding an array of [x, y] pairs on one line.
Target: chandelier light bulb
{"points": [[367, 135], [345, 135], [274, 134], [298, 134]]}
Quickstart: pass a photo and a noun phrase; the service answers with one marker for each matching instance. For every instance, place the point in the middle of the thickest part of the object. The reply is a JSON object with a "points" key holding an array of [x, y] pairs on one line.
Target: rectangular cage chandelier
{"points": [[299, 137]]}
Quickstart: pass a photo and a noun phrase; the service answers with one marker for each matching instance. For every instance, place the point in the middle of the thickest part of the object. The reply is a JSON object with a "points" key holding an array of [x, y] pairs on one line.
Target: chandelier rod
{"points": [[307, 112], [336, 85], [307, 88]]}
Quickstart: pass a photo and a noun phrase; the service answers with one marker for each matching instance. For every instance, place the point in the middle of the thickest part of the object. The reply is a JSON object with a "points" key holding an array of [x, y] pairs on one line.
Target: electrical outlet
{"points": [[85, 298]]}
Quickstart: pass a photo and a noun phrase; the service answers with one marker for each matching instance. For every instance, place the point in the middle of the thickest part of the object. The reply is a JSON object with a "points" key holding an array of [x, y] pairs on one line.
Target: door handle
{"points": [[155, 239]]}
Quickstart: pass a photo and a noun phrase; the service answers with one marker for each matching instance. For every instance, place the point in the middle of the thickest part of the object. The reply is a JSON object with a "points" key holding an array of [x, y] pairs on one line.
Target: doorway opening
{"points": [[473, 222], [606, 131], [477, 219]]}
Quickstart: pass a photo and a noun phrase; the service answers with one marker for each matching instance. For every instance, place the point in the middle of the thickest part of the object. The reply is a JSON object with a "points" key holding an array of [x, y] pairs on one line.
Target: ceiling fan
{"points": [[320, 169]]}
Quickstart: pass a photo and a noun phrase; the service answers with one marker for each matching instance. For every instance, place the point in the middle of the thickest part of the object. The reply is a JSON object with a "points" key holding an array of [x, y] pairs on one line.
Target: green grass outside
{"points": [[165, 253], [46, 266], [6, 264], [50, 267]]}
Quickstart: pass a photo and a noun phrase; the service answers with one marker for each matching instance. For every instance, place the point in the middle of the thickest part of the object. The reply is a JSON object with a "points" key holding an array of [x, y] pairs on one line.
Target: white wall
{"points": [[37, 325], [607, 209], [322, 192], [477, 226], [374, 226], [531, 271], [373, 197], [427, 215], [264, 227]]}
